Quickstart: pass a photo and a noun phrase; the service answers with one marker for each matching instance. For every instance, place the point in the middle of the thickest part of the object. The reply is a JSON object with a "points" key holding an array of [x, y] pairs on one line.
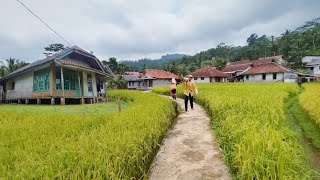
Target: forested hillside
{"points": [[293, 44]]}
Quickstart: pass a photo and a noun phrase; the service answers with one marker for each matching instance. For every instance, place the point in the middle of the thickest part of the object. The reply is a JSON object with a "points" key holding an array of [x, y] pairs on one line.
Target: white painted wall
{"points": [[316, 70], [198, 80], [290, 77], [160, 82], [207, 80], [23, 87], [132, 86], [269, 78]]}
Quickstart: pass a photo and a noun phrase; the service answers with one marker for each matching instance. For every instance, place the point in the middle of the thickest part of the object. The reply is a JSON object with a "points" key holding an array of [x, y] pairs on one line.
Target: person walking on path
{"points": [[173, 89], [189, 90]]}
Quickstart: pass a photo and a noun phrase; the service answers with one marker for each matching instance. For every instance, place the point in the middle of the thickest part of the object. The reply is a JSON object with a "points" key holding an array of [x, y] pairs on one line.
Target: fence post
{"points": [[119, 103]]}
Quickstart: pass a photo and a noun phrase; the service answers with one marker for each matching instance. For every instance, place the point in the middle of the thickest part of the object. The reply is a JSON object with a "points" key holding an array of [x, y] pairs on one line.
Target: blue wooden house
{"points": [[70, 76]]}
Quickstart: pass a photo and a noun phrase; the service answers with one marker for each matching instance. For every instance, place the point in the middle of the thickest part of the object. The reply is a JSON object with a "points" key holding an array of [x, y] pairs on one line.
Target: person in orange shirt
{"points": [[190, 90]]}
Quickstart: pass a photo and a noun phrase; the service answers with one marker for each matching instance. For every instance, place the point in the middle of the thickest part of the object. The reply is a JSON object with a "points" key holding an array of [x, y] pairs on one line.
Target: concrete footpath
{"points": [[190, 151]]}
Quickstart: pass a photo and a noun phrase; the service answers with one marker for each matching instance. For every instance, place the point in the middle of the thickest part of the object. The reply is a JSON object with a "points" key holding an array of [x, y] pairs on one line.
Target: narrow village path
{"points": [[190, 151]]}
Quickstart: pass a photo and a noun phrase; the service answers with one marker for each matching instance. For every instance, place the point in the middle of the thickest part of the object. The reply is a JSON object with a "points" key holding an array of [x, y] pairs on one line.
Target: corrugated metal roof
{"points": [[314, 62]]}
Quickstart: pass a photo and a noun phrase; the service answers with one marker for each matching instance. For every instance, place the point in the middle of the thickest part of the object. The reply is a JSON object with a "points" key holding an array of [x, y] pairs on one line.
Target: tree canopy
{"points": [[293, 45], [12, 65]]}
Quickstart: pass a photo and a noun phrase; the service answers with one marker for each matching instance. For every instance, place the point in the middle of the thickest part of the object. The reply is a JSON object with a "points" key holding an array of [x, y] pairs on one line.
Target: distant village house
{"points": [[234, 69], [148, 79], [312, 65], [270, 72], [209, 74]]}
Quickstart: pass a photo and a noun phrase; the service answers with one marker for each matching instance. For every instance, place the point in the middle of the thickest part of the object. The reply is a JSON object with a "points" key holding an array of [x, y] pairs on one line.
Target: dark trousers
{"points": [[186, 102]]}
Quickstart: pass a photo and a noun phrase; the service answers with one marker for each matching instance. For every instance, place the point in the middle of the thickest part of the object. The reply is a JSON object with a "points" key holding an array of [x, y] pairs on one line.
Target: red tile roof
{"points": [[244, 64], [208, 72], [159, 74], [240, 62], [239, 67], [266, 68]]}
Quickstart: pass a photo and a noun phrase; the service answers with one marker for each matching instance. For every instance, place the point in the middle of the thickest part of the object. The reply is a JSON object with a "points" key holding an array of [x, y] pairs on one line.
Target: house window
{"points": [[58, 80], [195, 78], [69, 78], [247, 77], [41, 81], [150, 83], [263, 76], [274, 75], [311, 68], [202, 78], [13, 85], [89, 80]]}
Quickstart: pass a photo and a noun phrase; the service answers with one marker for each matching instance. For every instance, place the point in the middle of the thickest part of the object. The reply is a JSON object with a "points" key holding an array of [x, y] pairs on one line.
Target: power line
{"points": [[44, 22]]}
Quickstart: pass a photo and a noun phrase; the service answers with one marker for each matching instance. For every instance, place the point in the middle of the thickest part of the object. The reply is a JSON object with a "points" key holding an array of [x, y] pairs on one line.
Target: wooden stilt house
{"points": [[70, 76]]}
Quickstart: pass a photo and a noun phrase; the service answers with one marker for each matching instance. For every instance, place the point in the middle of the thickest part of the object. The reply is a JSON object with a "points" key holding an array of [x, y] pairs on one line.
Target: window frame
{"points": [[275, 76], [41, 81], [89, 83], [69, 78], [202, 78], [264, 76]]}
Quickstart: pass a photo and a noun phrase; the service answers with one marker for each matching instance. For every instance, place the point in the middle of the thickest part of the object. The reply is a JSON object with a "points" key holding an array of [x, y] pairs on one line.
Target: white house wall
{"points": [[205, 80], [161, 82], [290, 77], [23, 87], [269, 78], [316, 69], [134, 85]]}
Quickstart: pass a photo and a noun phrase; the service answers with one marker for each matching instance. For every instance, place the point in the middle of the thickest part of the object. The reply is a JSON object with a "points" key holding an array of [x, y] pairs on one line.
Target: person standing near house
{"points": [[173, 89], [190, 90]]}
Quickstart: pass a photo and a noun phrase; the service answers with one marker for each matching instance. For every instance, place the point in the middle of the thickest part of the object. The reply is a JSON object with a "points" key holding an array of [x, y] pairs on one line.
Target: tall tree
{"points": [[117, 83], [54, 47], [3, 69], [252, 39]]}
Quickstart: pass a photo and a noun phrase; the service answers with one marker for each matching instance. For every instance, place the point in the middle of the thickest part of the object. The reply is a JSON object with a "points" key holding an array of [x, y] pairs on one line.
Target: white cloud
{"points": [[144, 28]]}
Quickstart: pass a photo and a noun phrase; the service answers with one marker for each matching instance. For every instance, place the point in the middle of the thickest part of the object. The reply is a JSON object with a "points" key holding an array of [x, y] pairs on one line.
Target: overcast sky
{"points": [[144, 28]]}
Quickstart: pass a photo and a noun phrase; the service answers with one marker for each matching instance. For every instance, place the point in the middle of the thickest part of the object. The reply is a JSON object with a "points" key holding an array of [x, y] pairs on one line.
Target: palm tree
{"points": [[14, 64], [3, 69], [11, 64]]}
